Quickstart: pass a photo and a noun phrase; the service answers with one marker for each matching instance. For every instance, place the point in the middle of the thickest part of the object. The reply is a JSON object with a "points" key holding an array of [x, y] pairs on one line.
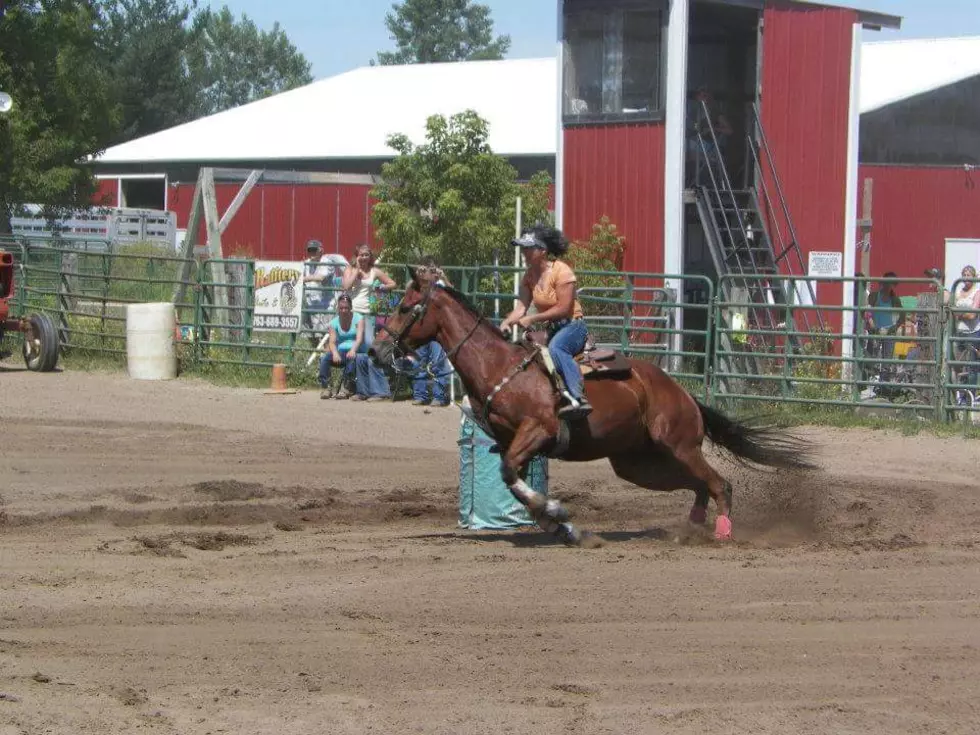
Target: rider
{"points": [[549, 284]]}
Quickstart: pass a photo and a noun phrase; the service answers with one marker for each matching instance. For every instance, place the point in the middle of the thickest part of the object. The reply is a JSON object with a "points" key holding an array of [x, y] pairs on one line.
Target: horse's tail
{"points": [[770, 446]]}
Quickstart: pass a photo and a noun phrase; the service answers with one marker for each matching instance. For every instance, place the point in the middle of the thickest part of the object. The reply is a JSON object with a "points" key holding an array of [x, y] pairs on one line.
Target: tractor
{"points": [[40, 335]]}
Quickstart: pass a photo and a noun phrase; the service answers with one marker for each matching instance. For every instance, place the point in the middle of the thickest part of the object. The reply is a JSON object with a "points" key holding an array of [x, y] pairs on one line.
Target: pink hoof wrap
{"points": [[723, 528], [699, 515]]}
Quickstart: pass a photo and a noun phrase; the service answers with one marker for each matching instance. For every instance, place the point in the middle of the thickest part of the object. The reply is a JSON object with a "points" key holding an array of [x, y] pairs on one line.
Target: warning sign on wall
{"points": [[825, 264]]}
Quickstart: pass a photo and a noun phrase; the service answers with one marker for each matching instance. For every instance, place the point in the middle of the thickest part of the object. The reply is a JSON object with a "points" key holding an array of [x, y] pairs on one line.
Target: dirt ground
{"points": [[182, 558]]}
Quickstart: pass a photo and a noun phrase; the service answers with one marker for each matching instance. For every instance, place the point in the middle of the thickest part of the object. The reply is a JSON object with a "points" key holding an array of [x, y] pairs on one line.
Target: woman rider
{"points": [[549, 284]]}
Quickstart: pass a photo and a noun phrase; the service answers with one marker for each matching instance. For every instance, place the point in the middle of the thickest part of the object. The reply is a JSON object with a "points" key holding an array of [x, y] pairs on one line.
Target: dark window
{"points": [[614, 65]]}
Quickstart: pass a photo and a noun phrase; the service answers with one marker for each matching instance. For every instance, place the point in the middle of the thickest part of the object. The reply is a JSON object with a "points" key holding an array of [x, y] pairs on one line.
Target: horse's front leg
{"points": [[548, 513]]}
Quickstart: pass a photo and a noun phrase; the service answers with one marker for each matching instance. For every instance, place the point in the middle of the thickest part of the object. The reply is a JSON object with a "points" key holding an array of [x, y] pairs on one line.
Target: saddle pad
{"points": [[617, 367]]}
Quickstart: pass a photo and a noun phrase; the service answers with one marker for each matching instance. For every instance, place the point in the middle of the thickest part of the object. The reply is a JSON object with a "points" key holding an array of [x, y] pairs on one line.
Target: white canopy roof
{"points": [[892, 71], [351, 115]]}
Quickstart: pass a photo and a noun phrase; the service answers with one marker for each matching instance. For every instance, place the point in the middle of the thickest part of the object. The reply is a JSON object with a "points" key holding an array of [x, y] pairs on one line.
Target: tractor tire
{"points": [[41, 344]]}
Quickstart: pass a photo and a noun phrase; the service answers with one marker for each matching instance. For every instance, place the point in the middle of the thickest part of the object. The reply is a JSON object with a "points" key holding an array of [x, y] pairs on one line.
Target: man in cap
{"points": [[937, 275], [317, 277]]}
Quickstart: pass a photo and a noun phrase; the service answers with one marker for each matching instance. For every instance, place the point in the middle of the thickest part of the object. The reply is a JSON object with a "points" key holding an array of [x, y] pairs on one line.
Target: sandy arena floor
{"points": [[182, 558]]}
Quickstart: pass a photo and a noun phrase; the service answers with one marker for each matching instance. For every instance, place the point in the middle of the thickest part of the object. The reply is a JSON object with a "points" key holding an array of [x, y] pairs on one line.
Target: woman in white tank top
{"points": [[361, 279]]}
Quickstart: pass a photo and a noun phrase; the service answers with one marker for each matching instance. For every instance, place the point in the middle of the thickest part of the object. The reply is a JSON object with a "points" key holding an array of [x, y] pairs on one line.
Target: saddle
{"points": [[593, 362]]}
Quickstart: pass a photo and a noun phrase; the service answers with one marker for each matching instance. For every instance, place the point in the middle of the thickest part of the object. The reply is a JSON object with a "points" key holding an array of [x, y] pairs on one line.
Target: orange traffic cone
{"points": [[278, 386]]}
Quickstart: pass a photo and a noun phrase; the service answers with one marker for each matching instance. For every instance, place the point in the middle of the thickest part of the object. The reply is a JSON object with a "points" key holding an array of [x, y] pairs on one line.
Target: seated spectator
{"points": [[372, 383], [430, 381], [345, 341]]}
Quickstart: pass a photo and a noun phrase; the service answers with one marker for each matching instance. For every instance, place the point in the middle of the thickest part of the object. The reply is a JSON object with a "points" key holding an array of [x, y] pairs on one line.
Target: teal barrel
{"points": [[484, 500]]}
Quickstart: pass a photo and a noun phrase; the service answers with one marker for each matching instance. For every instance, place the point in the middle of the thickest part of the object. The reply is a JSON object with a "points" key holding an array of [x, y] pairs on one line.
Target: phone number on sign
{"points": [[275, 321]]}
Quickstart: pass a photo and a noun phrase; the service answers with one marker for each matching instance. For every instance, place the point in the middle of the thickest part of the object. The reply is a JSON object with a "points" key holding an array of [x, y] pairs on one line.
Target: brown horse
{"points": [[649, 427]]}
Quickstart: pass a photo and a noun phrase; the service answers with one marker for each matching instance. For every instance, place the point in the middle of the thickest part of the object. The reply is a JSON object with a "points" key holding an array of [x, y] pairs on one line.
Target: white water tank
{"points": [[150, 351]]}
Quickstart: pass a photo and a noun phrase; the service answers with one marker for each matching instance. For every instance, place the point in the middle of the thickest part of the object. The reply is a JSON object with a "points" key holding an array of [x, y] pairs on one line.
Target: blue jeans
{"points": [[433, 356], [371, 380], [325, 366], [567, 342], [370, 324]]}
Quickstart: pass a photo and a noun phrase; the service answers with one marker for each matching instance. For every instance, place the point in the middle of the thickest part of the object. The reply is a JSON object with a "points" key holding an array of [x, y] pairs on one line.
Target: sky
{"points": [[340, 35]]}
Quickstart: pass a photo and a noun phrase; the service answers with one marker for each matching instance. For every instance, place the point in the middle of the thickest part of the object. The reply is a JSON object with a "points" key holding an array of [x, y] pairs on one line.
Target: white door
{"points": [[960, 253]]}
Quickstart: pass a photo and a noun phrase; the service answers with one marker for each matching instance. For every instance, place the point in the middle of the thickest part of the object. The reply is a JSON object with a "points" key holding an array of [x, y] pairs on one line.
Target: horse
{"points": [[648, 426]]}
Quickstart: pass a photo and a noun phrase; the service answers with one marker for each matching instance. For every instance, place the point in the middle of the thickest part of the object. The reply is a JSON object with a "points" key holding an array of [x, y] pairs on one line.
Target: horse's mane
{"points": [[460, 299], [463, 301]]}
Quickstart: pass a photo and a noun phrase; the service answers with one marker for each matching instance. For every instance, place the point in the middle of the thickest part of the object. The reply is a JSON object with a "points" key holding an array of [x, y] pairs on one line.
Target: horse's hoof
{"points": [[699, 515], [554, 510], [568, 534], [723, 528]]}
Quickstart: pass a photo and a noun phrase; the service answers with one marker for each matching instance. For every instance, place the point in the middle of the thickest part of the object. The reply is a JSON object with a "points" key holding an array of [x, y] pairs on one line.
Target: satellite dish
{"points": [[5, 102]]}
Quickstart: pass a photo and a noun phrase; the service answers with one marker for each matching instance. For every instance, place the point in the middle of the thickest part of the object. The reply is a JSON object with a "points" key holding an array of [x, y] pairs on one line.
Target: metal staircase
{"points": [[741, 244]]}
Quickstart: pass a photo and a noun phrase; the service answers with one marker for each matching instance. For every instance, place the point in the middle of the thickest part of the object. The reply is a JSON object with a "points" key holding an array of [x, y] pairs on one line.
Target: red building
{"points": [[720, 137]]}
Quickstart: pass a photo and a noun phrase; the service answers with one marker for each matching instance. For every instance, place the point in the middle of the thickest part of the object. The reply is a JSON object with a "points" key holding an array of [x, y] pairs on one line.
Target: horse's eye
{"points": [[405, 308]]}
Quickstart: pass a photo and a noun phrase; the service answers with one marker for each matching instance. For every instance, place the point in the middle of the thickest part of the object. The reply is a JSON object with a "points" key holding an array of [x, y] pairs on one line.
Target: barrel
{"points": [[484, 500], [150, 351]]}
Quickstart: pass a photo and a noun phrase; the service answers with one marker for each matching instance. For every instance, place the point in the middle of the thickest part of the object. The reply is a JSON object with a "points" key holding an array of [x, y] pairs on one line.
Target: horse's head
{"points": [[408, 328]]}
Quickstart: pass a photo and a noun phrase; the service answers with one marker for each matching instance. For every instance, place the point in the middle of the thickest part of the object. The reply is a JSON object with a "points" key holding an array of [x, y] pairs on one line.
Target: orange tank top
{"points": [[544, 295]]}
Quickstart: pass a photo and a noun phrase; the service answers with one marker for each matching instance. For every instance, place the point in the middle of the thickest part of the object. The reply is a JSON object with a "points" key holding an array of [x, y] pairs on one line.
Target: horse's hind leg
{"points": [[711, 485], [657, 468], [699, 511]]}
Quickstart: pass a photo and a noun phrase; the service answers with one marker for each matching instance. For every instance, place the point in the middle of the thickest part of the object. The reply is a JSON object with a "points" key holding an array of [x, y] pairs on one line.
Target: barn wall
{"points": [[914, 210], [806, 73], [805, 107], [276, 220], [617, 171], [106, 193]]}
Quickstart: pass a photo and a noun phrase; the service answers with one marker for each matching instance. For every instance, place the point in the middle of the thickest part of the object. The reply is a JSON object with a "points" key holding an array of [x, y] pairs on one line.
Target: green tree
{"points": [[426, 31], [452, 197], [232, 62], [53, 69], [145, 44]]}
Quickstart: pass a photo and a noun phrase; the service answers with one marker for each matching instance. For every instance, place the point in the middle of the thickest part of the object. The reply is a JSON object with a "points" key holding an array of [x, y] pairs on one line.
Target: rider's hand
{"points": [[505, 328], [525, 322], [351, 354]]}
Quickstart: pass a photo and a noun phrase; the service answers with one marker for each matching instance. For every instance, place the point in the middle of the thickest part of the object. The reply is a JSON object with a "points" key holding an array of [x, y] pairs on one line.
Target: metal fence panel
{"points": [[763, 355]]}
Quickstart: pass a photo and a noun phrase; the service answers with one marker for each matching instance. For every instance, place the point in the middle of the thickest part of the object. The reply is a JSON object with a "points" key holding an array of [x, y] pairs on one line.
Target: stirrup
{"points": [[574, 409]]}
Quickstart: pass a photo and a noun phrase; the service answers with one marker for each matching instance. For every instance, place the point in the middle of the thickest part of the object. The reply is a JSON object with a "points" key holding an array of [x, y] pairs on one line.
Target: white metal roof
{"points": [[351, 115], [892, 71]]}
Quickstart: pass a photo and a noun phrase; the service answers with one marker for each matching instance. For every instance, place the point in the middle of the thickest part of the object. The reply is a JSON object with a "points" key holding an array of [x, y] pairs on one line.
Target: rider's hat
{"points": [[312, 245], [529, 240]]}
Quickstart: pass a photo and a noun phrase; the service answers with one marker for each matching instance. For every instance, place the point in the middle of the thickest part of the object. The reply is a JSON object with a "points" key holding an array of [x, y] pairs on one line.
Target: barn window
{"points": [[614, 66]]}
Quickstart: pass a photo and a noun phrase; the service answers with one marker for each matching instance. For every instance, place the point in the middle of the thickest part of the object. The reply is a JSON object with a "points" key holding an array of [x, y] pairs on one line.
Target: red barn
{"points": [[720, 136]]}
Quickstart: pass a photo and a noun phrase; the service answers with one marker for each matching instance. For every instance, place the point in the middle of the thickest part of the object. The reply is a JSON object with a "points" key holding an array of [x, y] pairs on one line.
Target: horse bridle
{"points": [[417, 314]]}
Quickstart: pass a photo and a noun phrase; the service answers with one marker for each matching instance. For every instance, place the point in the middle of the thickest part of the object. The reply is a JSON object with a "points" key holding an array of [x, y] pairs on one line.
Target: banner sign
{"points": [[278, 296]]}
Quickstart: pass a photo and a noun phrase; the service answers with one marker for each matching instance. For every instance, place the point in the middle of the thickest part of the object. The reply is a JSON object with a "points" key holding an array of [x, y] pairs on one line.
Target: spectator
{"points": [[346, 341], [431, 366], [880, 320], [372, 385], [364, 280], [708, 137], [966, 302], [317, 277], [942, 291]]}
